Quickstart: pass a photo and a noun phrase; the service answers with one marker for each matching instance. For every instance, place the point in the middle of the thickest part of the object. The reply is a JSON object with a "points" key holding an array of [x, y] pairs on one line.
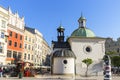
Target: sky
{"points": [[103, 16]]}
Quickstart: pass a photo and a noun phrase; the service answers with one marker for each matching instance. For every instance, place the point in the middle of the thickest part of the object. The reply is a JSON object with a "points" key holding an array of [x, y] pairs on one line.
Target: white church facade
{"points": [[67, 55]]}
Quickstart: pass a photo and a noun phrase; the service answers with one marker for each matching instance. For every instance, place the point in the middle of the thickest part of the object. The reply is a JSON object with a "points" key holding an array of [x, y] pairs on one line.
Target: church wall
{"points": [[78, 46], [61, 68], [79, 49]]}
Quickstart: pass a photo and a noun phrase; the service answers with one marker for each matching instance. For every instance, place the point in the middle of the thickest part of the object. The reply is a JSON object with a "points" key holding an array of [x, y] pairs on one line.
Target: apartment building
{"points": [[15, 30], [46, 50], [28, 47], [36, 46], [3, 35], [20, 43]]}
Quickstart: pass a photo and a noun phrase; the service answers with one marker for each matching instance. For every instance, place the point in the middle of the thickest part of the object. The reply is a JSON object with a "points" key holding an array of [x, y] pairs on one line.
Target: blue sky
{"points": [[103, 16]]}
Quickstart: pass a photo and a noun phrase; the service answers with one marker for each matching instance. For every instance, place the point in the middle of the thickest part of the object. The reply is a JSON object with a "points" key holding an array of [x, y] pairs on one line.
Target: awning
{"points": [[8, 65], [45, 67]]}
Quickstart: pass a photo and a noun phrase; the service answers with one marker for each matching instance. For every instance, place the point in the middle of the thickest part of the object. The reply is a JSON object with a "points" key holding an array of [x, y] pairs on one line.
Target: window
{"points": [[15, 44], [33, 40], [9, 53], [25, 37], [20, 45], [88, 49], [28, 56], [65, 61], [19, 55], [3, 24], [20, 37], [16, 35], [82, 23], [1, 49], [2, 35], [29, 47], [32, 48], [25, 46], [14, 54], [29, 39], [10, 34], [32, 57], [25, 56], [10, 43]]}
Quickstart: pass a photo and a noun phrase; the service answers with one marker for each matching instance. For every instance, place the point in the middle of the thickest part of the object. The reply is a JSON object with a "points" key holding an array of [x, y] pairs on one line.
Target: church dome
{"points": [[82, 31], [63, 53]]}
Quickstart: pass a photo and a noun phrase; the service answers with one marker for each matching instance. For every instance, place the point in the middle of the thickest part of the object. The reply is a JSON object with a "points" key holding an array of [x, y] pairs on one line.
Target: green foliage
{"points": [[87, 61], [110, 52], [115, 61]]}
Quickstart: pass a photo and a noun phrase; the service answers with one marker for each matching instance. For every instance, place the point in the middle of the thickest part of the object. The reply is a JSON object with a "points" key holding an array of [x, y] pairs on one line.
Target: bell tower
{"points": [[60, 31]]}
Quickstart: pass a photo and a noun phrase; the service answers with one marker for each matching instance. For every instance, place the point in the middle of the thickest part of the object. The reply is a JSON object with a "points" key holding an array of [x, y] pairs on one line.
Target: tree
{"points": [[115, 61], [110, 53], [87, 61]]}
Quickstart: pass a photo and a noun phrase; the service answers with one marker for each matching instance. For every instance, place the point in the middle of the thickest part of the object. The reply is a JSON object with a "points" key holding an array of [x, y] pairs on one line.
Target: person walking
{"points": [[1, 71]]}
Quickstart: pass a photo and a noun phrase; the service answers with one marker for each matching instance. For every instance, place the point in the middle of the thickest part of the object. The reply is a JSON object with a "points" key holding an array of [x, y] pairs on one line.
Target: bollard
{"points": [[107, 68], [107, 71], [20, 75]]}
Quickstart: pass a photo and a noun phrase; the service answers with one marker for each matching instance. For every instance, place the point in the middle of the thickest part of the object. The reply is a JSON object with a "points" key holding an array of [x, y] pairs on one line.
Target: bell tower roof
{"points": [[82, 21], [60, 31]]}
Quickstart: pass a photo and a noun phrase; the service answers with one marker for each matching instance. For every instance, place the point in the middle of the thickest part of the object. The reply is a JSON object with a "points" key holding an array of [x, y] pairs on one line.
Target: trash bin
{"points": [[20, 75]]}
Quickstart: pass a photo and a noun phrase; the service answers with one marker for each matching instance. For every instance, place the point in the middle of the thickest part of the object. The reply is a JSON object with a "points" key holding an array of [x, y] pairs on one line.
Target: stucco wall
{"points": [[79, 48], [60, 68]]}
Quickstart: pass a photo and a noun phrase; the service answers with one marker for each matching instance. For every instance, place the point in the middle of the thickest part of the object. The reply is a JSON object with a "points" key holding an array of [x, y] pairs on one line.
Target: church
{"points": [[67, 56]]}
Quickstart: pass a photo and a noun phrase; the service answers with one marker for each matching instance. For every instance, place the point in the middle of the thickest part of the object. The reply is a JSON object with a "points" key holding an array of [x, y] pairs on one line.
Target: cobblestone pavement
{"points": [[49, 77]]}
